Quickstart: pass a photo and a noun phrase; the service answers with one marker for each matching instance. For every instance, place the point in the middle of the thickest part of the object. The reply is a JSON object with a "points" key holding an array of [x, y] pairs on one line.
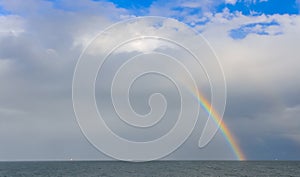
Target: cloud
{"points": [[181, 9], [255, 1], [40, 42], [39, 47], [261, 71], [11, 25], [230, 2]]}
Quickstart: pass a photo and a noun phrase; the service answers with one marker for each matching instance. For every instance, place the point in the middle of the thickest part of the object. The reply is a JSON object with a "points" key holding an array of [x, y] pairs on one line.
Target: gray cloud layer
{"points": [[39, 47]]}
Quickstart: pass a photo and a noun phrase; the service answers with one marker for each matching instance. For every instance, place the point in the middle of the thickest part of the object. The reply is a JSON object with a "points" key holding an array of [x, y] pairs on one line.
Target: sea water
{"points": [[157, 168]]}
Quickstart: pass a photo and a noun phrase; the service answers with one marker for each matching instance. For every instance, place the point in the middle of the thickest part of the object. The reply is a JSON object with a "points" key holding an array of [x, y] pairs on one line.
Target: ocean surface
{"points": [[158, 168]]}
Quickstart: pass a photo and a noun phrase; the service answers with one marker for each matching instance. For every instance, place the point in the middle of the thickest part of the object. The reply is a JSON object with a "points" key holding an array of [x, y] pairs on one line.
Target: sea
{"points": [[150, 169]]}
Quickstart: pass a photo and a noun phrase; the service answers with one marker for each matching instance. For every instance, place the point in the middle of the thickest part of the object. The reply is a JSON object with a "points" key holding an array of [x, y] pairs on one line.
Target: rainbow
{"points": [[223, 127]]}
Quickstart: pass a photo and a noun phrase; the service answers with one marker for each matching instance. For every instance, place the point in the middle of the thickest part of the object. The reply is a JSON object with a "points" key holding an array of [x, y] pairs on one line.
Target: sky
{"points": [[256, 41]]}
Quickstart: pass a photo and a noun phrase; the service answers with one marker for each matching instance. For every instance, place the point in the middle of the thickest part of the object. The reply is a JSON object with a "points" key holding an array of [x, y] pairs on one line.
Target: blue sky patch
{"points": [[269, 7], [252, 28], [247, 7], [4, 11], [131, 4]]}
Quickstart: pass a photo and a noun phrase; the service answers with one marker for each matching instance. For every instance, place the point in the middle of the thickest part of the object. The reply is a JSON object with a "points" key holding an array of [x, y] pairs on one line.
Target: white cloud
{"points": [[261, 66], [257, 51], [230, 2], [254, 1], [170, 8]]}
